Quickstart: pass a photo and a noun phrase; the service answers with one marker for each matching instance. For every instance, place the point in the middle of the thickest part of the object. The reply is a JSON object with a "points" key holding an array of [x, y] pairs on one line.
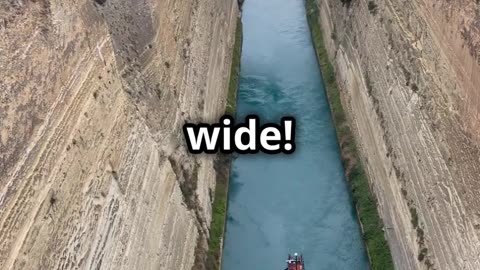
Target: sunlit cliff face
{"points": [[408, 71]]}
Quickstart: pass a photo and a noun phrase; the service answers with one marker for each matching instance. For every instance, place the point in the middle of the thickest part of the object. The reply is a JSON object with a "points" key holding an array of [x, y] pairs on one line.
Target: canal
{"points": [[283, 204]]}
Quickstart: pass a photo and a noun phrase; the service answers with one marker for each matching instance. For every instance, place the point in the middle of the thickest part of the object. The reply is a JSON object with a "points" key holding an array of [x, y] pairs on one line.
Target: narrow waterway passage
{"points": [[299, 203]]}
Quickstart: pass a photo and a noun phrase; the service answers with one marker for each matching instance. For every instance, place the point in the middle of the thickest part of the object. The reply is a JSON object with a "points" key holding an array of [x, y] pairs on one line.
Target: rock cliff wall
{"points": [[93, 94], [409, 73]]}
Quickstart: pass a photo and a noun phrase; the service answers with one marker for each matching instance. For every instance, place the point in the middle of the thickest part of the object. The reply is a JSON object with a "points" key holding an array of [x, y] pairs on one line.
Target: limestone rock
{"points": [[93, 95]]}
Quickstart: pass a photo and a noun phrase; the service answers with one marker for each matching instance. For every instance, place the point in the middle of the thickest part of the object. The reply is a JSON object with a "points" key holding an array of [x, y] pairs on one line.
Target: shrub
{"points": [[372, 7]]}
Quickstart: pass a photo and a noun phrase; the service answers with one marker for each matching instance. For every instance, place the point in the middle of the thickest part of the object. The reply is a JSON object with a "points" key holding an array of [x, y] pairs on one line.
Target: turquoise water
{"points": [[283, 204]]}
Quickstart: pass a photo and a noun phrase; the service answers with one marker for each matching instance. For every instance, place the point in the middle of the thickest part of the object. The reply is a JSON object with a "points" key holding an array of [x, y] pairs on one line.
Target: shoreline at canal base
{"points": [[222, 165]]}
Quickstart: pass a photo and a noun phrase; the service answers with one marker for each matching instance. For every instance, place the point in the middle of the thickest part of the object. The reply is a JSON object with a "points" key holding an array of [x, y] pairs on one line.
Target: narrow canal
{"points": [[298, 203]]}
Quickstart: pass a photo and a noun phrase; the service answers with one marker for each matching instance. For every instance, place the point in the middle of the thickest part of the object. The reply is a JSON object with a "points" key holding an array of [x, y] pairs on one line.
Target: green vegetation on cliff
{"points": [[235, 71], [222, 166], [365, 203]]}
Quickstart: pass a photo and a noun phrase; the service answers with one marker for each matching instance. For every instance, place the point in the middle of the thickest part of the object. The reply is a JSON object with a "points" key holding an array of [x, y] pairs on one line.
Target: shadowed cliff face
{"points": [[93, 94], [409, 73]]}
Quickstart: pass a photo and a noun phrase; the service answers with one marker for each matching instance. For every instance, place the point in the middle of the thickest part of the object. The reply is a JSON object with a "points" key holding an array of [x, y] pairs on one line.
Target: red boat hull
{"points": [[295, 263]]}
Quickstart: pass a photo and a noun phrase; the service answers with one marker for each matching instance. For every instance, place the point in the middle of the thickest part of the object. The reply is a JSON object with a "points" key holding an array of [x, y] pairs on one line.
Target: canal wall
{"points": [[94, 172], [406, 72]]}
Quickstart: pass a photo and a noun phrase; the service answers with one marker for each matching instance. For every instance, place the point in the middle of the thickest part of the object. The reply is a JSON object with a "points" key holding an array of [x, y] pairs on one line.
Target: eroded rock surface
{"points": [[409, 73], [93, 94]]}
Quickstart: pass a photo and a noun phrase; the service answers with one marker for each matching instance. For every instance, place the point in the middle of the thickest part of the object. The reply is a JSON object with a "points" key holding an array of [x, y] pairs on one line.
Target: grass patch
{"points": [[219, 213], [234, 71], [222, 165], [365, 203]]}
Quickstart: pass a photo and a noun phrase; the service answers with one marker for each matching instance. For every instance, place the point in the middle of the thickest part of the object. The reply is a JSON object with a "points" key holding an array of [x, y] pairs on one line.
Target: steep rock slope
{"points": [[409, 73], [93, 94]]}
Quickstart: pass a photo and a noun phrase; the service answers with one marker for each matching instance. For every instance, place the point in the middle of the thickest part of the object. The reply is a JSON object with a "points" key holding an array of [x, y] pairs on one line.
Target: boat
{"points": [[295, 262]]}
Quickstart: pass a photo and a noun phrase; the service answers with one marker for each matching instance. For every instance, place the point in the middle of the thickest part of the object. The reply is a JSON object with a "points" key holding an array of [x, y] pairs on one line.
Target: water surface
{"points": [[282, 204]]}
